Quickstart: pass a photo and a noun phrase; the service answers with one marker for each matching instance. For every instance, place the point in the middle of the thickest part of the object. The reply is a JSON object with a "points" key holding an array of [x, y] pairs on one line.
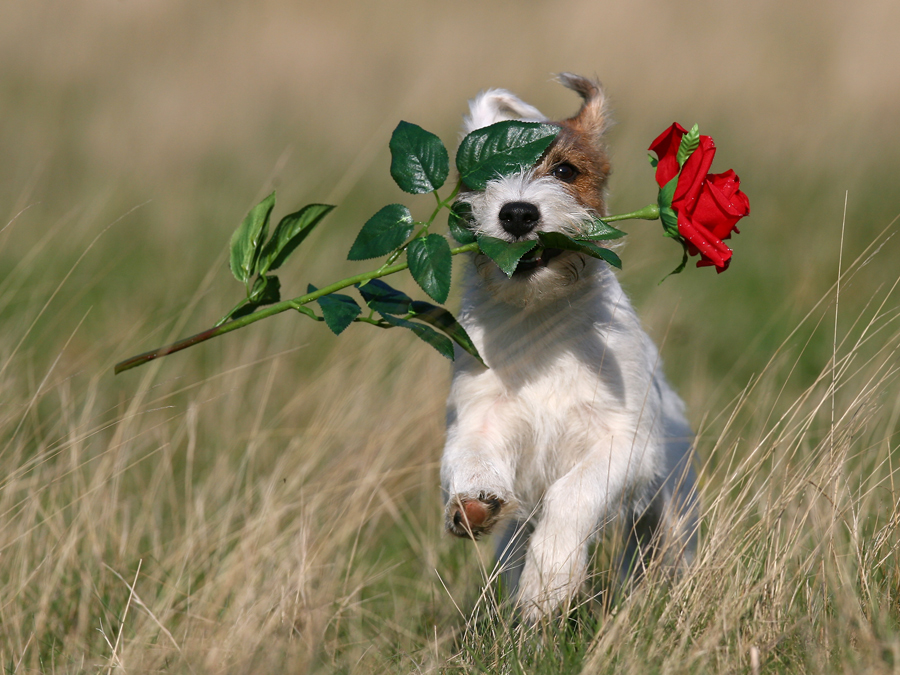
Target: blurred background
{"points": [[171, 119], [135, 135]]}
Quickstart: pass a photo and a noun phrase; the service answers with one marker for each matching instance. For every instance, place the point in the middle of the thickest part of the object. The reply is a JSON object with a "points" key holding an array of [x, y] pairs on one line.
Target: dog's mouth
{"points": [[537, 257]]}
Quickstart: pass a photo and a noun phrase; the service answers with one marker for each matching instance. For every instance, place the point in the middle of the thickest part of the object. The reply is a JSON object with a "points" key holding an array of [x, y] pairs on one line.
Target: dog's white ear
{"points": [[593, 116], [498, 105]]}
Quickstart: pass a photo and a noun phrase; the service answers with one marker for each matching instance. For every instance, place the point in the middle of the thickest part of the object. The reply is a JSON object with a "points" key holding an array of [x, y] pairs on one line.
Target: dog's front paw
{"points": [[472, 516]]}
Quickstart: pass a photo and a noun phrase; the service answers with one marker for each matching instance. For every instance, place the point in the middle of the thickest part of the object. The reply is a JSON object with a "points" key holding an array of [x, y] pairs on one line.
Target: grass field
{"points": [[269, 501]]}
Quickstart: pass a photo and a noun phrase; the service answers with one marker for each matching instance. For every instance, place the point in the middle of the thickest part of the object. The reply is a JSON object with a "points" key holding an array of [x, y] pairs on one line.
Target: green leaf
{"points": [[426, 333], [598, 230], [684, 260], [383, 298], [669, 220], [667, 214], [460, 222], [247, 240], [502, 149], [443, 320], [419, 160], [666, 193], [382, 233], [689, 142], [289, 234], [338, 310], [265, 291], [653, 161], [560, 240], [430, 264], [505, 254]]}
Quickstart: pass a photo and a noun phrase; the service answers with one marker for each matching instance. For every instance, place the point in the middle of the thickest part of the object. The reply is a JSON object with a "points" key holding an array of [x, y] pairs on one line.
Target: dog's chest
{"points": [[552, 360], [553, 389]]}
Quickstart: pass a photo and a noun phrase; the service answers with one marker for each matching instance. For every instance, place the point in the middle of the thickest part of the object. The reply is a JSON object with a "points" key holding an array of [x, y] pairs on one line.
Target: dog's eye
{"points": [[565, 172]]}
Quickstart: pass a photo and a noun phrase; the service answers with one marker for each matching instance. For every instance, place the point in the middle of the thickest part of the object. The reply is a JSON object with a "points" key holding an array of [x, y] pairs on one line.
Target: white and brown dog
{"points": [[572, 425]]}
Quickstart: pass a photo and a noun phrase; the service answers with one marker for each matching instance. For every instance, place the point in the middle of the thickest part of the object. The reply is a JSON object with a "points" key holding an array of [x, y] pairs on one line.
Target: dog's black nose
{"points": [[519, 218]]}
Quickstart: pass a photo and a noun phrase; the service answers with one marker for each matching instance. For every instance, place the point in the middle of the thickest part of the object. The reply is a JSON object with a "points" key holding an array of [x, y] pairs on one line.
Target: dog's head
{"points": [[560, 193]]}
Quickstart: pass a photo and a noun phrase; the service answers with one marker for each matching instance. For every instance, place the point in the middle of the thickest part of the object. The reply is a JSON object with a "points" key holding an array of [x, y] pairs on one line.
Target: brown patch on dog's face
{"points": [[578, 155], [580, 162]]}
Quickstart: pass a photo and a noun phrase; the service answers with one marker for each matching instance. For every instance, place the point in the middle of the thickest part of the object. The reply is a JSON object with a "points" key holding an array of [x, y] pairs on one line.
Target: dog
{"points": [[572, 426]]}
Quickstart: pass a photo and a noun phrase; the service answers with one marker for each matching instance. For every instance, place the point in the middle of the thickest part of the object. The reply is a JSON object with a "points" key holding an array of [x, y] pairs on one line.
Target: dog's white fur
{"points": [[572, 425]]}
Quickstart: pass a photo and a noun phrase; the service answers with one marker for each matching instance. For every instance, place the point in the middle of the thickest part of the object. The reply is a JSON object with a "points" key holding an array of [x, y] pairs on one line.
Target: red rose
{"points": [[708, 205]]}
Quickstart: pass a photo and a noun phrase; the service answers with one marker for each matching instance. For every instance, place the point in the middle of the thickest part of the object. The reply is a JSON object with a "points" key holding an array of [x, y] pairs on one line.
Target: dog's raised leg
{"points": [[477, 476]]}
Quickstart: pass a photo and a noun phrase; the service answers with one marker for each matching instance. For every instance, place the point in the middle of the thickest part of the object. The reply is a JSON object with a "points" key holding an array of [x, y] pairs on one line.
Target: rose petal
{"points": [[703, 262], [666, 148], [710, 247], [693, 174], [728, 182], [729, 185], [718, 212]]}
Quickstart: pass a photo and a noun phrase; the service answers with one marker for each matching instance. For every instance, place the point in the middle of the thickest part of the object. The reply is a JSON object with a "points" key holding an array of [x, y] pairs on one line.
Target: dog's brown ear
{"points": [[592, 118]]}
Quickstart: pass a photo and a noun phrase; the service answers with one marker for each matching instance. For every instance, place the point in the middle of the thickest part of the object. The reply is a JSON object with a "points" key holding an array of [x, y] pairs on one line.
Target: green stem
{"points": [[650, 212], [266, 312], [233, 310], [647, 213]]}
